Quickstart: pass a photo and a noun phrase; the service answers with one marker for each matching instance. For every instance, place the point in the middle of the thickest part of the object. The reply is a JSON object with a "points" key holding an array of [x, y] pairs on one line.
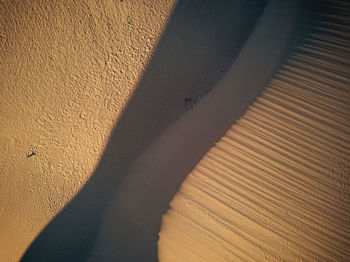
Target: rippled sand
{"points": [[276, 187]]}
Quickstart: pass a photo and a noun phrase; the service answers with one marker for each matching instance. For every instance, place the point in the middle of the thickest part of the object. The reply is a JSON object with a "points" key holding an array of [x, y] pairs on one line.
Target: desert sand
{"points": [[275, 186], [133, 221], [85, 88]]}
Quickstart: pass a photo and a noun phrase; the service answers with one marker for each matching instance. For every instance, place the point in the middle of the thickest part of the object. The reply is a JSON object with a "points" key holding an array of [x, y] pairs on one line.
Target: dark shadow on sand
{"points": [[208, 32]]}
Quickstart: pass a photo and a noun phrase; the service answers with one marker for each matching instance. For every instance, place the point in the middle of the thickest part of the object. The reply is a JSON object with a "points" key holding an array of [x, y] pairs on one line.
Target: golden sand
{"points": [[132, 223], [85, 87], [63, 64], [276, 187]]}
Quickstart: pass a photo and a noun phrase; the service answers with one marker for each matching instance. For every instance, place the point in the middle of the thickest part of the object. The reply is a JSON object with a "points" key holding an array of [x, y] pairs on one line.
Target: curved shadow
{"points": [[199, 44]]}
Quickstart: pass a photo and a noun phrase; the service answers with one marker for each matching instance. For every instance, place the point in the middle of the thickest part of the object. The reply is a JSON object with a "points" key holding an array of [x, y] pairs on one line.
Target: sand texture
{"points": [[276, 187], [132, 223], [68, 71], [85, 86]]}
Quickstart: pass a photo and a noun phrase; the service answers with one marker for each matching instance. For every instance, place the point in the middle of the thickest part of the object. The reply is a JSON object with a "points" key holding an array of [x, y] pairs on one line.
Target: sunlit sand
{"points": [[276, 187], [86, 86], [174, 131]]}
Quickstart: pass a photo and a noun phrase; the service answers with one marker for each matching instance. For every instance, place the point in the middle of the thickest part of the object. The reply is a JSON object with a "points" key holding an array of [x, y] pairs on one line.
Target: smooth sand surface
{"points": [[276, 187], [85, 87], [132, 223]]}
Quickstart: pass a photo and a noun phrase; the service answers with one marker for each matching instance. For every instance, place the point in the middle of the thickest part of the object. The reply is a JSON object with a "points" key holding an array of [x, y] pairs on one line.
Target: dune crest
{"points": [[131, 226], [276, 186]]}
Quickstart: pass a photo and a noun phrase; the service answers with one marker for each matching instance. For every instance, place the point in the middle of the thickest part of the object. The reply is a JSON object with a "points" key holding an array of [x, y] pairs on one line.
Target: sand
{"points": [[276, 186], [249, 176], [133, 221], [61, 64], [85, 87]]}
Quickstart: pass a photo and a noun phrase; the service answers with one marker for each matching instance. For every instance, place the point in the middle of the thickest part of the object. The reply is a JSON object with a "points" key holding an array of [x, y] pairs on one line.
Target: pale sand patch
{"points": [[132, 223]]}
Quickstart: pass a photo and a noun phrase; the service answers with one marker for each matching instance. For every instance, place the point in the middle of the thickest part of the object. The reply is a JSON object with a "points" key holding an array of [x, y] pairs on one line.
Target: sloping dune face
{"points": [[68, 69], [85, 86], [276, 186]]}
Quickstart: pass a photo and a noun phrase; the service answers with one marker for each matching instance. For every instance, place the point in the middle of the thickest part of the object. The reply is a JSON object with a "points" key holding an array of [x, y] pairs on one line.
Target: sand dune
{"points": [[268, 182], [276, 186], [132, 223], [85, 86]]}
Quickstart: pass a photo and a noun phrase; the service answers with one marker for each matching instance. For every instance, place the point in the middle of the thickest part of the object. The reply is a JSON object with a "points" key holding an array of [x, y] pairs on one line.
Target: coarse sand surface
{"points": [[85, 87]]}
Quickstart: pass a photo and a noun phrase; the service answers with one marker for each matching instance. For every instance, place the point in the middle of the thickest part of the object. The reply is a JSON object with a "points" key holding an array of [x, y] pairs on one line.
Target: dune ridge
{"points": [[85, 87], [276, 186], [131, 225]]}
